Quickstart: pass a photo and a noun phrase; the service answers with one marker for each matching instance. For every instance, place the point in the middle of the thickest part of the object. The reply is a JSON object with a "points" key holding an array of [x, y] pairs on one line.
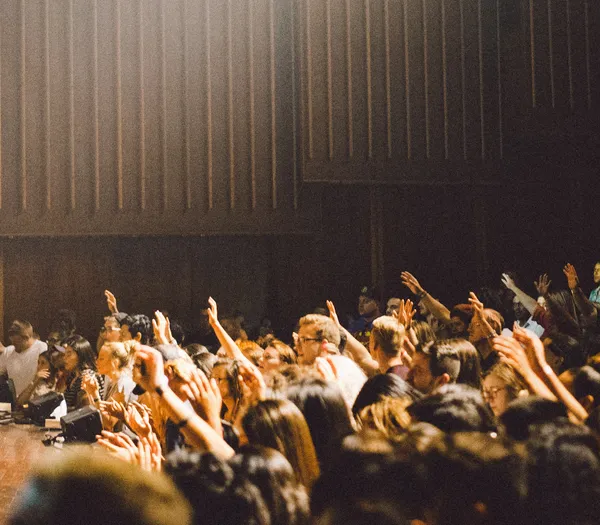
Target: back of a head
{"points": [[454, 408], [388, 335], [140, 324], [97, 489], [383, 385], [443, 359], [524, 412], [325, 411], [470, 363]]}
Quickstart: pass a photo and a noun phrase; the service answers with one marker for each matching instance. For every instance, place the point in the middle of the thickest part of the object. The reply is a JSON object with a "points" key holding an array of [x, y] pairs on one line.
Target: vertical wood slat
{"points": [[142, 110], [480, 56], [388, 90], [369, 80], [23, 112], [186, 98], [96, 115], [1, 145], [499, 72], [294, 112], [587, 54], [309, 81], [329, 82], [209, 130], [349, 80], [165, 135], [463, 81], [569, 54], [426, 78], [252, 101], [230, 128], [48, 116], [1, 291], [445, 81], [72, 106], [551, 53], [407, 80], [119, 109], [532, 54], [273, 105]]}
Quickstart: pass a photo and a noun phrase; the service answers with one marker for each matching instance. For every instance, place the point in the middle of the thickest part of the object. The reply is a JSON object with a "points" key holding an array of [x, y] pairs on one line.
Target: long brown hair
{"points": [[279, 424]]}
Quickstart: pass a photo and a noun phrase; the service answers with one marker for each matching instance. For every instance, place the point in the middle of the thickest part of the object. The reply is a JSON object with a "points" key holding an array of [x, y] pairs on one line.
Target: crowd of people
{"points": [[484, 412]]}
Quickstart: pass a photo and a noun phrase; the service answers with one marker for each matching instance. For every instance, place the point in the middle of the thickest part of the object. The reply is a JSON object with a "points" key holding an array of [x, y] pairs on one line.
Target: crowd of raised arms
{"points": [[485, 412]]}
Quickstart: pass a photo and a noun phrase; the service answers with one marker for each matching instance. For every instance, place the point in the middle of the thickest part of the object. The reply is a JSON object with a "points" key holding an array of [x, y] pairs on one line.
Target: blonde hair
{"points": [[388, 335], [120, 352], [509, 376], [326, 328], [388, 416]]}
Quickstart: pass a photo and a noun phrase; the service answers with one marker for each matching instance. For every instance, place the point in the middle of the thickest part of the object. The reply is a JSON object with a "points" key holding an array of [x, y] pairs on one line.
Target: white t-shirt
{"points": [[21, 368]]}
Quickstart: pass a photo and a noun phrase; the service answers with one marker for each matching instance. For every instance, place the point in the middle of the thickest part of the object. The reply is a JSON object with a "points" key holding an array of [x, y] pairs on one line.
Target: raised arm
{"points": [[582, 303], [437, 309], [527, 301]]}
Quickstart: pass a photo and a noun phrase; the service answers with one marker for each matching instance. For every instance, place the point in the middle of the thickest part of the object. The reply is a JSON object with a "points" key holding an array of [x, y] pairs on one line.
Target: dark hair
{"points": [[587, 383], [443, 358], [279, 424], [64, 323], [177, 331], [454, 408], [232, 369], [568, 348], [82, 347], [139, 324], [273, 475], [423, 331], [215, 493], [47, 355], [21, 328], [524, 412], [470, 363], [383, 385], [205, 362], [326, 413]]}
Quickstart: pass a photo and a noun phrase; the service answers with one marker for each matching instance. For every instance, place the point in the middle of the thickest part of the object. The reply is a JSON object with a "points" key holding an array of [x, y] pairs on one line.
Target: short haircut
{"points": [[525, 412], [443, 358], [21, 328], [139, 323], [381, 386], [388, 335], [326, 328], [494, 318]]}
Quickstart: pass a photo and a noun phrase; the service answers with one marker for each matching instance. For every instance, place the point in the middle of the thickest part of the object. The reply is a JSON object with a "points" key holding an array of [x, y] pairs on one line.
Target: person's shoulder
{"points": [[8, 351]]}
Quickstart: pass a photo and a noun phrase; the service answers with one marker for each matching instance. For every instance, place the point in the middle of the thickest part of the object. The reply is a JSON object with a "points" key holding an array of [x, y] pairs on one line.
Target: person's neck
{"points": [[114, 375], [386, 363], [24, 347], [484, 348]]}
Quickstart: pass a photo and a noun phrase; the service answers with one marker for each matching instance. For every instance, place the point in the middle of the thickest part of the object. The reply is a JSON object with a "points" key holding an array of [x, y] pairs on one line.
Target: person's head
{"points": [[525, 412], [454, 408], [79, 355], [500, 386], [382, 386], [45, 363], [111, 329], [112, 358], [392, 305], [276, 354], [272, 474], [317, 335], [433, 366], [423, 332], [563, 352], [205, 362], [368, 304], [476, 329], [521, 313], [597, 273], [325, 411], [20, 334], [387, 416], [460, 318], [96, 489], [387, 338], [470, 363], [279, 424], [252, 351], [225, 372], [137, 327], [586, 387]]}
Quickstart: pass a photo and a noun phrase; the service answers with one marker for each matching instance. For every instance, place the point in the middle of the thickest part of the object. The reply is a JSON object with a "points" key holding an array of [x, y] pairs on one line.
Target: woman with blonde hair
{"points": [[501, 385]]}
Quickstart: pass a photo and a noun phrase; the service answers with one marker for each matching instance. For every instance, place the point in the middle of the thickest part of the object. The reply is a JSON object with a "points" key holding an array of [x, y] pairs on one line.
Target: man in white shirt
{"points": [[19, 361]]}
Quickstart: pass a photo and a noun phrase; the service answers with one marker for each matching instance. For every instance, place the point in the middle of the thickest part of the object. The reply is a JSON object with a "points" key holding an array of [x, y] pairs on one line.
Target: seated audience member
{"points": [[19, 361], [433, 366], [269, 471], [279, 424], [386, 345], [79, 361], [44, 381], [501, 385], [276, 354], [326, 413], [454, 408], [97, 489]]}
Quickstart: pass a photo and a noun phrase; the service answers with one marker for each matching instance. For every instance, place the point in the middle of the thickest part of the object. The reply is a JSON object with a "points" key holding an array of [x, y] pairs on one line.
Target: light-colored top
{"points": [[530, 324], [21, 367], [595, 295], [121, 391]]}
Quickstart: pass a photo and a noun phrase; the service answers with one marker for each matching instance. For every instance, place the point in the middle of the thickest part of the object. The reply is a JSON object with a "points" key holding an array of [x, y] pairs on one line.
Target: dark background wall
{"points": [[275, 154]]}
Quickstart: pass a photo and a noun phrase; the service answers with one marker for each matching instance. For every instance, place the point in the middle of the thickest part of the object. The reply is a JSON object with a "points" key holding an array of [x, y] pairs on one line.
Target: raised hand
{"points": [[508, 281], [534, 348], [205, 397], [89, 384], [137, 418], [406, 312], [333, 314], [410, 281], [477, 305], [161, 328], [543, 284], [44, 373], [213, 314], [571, 274], [119, 445], [111, 302], [513, 353], [252, 384], [148, 366], [113, 408]]}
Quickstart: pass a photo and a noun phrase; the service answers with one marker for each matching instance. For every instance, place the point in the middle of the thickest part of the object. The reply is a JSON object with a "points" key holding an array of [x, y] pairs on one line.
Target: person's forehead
{"points": [[307, 329], [493, 380], [393, 301]]}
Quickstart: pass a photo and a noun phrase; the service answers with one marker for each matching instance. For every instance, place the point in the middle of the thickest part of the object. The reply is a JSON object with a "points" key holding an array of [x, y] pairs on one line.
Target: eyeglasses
{"points": [[303, 340], [492, 392]]}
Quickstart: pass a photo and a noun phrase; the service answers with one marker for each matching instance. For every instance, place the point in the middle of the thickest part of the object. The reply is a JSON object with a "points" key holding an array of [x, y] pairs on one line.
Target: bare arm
{"points": [[437, 309], [527, 301]]}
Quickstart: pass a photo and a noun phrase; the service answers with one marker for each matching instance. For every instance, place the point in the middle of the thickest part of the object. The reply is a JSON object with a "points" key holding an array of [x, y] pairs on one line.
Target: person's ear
{"points": [[444, 379], [138, 337]]}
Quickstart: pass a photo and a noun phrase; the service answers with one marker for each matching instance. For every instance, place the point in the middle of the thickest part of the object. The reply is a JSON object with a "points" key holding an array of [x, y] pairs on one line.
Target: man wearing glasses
{"points": [[318, 336]]}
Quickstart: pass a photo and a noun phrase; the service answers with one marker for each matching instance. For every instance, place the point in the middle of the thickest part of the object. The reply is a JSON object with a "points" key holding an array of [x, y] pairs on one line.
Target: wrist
{"points": [[161, 386]]}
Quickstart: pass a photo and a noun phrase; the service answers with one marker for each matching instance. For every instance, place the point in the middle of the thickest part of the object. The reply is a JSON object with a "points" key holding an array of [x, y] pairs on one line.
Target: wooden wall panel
{"points": [[444, 91], [148, 117]]}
